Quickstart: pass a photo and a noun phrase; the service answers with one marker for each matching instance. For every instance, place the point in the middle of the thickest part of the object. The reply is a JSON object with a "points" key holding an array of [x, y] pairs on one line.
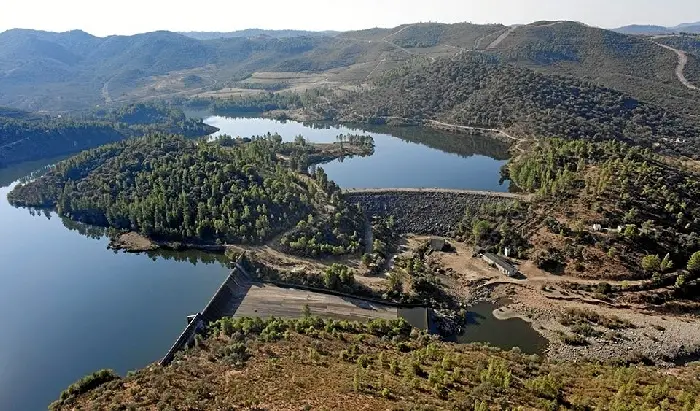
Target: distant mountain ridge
{"points": [[76, 71], [654, 30], [247, 33]]}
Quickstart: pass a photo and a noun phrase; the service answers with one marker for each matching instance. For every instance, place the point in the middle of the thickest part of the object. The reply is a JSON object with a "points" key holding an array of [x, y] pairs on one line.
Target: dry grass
{"points": [[351, 371]]}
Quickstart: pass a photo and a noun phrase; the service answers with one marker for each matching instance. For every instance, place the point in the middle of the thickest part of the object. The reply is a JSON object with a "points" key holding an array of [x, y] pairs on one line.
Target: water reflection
{"points": [[483, 327], [26, 171], [462, 144], [403, 156]]}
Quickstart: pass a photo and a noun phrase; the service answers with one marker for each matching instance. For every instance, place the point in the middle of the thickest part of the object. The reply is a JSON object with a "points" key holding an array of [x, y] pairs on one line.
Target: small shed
{"points": [[499, 262]]}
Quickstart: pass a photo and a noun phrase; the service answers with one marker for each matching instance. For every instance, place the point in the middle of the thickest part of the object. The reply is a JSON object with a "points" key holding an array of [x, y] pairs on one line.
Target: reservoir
{"points": [[405, 157], [71, 306]]}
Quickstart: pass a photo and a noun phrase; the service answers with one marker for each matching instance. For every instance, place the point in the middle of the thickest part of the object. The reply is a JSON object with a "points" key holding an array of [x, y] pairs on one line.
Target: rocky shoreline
{"points": [[665, 341]]}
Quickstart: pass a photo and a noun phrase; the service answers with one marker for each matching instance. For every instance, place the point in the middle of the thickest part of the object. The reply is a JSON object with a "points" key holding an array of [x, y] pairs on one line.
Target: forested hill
{"points": [[654, 30], [578, 184], [631, 64], [75, 70], [688, 43], [247, 33], [172, 189], [479, 91], [26, 136]]}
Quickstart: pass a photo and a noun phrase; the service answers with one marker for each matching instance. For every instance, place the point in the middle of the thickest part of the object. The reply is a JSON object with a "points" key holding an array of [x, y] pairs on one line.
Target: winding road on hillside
{"points": [[682, 61]]}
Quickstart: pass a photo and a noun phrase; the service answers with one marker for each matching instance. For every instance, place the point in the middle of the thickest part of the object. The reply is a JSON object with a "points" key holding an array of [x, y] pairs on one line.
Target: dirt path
{"points": [[682, 61], [379, 63], [542, 299], [105, 92], [500, 132], [471, 128], [459, 51], [385, 38], [500, 38], [456, 127]]}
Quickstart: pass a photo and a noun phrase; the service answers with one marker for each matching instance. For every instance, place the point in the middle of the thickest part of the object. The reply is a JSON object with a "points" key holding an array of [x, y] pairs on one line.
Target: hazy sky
{"points": [[134, 16]]}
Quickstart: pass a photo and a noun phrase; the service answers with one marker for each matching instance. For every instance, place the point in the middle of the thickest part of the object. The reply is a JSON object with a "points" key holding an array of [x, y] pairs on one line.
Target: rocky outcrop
{"points": [[424, 211]]}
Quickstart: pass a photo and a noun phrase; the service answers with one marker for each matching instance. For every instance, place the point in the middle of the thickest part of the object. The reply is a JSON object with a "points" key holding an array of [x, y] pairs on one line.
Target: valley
{"points": [[319, 219]]}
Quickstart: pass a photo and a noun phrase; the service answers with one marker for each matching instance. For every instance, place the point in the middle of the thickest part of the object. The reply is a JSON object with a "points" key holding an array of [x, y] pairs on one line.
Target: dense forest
{"points": [[26, 136], [173, 189], [479, 91], [601, 209], [249, 104]]}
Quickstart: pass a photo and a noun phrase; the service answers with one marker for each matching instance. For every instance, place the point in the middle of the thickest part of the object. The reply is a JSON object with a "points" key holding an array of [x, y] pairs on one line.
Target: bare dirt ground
{"points": [[290, 303], [543, 300], [133, 242], [285, 262]]}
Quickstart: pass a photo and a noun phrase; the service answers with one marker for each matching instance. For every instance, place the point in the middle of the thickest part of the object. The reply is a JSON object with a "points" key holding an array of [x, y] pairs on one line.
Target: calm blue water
{"points": [[405, 157], [70, 306]]}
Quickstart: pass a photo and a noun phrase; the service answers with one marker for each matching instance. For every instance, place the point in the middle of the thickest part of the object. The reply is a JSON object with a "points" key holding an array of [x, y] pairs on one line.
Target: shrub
{"points": [[694, 262], [83, 385], [545, 386], [573, 339], [364, 361], [651, 263], [497, 374], [584, 329], [394, 367]]}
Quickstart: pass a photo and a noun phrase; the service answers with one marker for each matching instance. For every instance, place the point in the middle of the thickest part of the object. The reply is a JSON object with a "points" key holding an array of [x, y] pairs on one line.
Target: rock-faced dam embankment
{"points": [[425, 211]]}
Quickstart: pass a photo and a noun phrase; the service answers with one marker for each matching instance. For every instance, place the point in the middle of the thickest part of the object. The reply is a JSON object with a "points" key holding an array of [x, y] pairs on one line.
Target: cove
{"points": [[483, 327], [71, 306], [405, 157]]}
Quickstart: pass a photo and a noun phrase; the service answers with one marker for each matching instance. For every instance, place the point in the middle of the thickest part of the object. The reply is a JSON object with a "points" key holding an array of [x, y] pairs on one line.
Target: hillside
{"points": [[477, 91], [27, 136], [229, 191], [310, 363], [641, 29], [688, 43], [645, 206], [40, 70], [212, 35], [74, 70], [633, 65]]}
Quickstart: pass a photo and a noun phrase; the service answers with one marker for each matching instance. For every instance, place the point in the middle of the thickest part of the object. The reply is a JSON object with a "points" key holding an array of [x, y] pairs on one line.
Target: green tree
{"points": [[480, 230], [680, 281], [306, 311], [694, 263], [651, 263], [666, 263]]}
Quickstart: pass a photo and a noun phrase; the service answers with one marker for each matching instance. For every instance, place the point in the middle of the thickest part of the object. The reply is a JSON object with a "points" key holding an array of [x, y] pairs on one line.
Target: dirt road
{"points": [[500, 38], [682, 61]]}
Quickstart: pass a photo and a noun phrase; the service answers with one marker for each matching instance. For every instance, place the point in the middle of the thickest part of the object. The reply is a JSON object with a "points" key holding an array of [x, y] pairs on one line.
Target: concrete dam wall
{"points": [[425, 211], [223, 303]]}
